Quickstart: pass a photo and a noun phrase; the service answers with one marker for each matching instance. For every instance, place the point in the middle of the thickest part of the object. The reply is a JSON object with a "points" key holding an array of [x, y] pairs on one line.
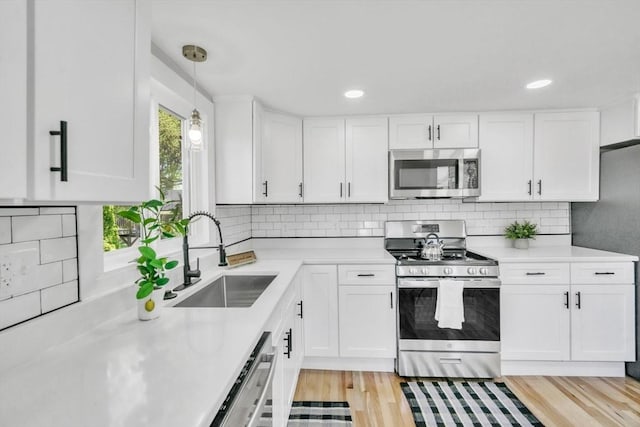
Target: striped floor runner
{"points": [[461, 403], [306, 413]]}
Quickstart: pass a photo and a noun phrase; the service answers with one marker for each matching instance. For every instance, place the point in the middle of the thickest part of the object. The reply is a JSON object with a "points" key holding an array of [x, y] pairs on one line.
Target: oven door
{"points": [[433, 173], [418, 330]]}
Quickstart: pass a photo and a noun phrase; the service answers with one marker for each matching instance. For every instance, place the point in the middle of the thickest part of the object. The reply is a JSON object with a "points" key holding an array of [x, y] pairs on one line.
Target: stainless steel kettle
{"points": [[432, 248]]}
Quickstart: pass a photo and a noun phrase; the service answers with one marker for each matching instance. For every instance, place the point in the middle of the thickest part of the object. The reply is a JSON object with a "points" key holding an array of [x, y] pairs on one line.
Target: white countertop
{"points": [[171, 371], [551, 254]]}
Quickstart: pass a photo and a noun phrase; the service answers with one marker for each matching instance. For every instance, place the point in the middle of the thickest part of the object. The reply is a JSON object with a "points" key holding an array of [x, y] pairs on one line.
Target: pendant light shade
{"points": [[196, 125]]}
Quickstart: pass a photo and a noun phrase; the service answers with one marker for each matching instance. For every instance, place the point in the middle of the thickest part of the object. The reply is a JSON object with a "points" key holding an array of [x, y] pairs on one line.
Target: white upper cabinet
{"points": [[366, 160], [506, 156], [234, 124], [278, 158], [13, 101], [566, 156], [411, 131], [423, 131], [324, 160], [544, 157], [90, 66], [455, 131], [620, 122], [345, 160]]}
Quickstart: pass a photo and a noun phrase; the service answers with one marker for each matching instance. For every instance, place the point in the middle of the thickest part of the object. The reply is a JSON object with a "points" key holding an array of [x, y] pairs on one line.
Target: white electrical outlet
{"points": [[7, 276]]}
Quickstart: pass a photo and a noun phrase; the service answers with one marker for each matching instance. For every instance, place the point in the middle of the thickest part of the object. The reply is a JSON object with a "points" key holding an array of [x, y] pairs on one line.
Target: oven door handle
{"points": [[433, 283]]}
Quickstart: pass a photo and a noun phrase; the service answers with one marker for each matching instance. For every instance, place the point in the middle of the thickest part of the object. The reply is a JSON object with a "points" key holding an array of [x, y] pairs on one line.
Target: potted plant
{"points": [[520, 233], [151, 216]]}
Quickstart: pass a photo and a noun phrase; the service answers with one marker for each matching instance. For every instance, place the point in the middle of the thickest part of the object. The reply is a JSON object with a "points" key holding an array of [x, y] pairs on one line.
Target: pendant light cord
{"points": [[194, 85]]}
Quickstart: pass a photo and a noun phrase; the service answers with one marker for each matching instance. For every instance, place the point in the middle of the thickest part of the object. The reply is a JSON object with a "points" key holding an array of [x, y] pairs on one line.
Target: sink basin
{"points": [[229, 291]]}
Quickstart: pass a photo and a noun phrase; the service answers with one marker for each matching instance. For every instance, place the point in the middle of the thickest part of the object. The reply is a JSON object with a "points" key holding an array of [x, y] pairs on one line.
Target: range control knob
{"points": [[424, 271], [448, 270], [471, 271], [484, 271]]}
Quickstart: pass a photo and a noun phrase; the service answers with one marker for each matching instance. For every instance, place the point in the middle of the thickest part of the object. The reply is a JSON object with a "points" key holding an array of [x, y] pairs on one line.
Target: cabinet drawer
{"points": [[602, 272], [535, 273], [366, 274]]}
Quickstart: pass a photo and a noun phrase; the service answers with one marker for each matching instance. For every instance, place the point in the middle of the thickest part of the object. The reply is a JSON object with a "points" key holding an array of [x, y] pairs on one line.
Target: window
{"points": [[119, 233]]}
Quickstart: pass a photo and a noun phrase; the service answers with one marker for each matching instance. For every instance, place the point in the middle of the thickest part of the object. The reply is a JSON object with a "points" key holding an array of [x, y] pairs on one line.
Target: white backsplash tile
{"points": [[69, 269], [57, 249], [27, 228], [59, 296], [6, 211], [5, 230], [68, 225], [19, 309]]}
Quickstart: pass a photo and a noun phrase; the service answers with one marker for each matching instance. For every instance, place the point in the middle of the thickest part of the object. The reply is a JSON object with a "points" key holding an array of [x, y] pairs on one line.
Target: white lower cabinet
{"points": [[320, 296], [602, 322], [367, 321], [534, 322], [568, 320], [289, 353], [349, 312]]}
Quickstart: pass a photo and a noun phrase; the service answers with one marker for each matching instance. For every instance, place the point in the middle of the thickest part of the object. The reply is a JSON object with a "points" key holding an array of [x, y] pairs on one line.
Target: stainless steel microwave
{"points": [[434, 173]]}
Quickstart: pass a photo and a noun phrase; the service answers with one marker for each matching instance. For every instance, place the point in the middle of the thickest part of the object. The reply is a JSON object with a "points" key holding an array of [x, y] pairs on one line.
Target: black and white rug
{"points": [[307, 413], [462, 403]]}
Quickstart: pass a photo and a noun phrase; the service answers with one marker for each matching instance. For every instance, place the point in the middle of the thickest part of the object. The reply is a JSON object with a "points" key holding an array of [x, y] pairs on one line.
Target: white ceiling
{"points": [[299, 56]]}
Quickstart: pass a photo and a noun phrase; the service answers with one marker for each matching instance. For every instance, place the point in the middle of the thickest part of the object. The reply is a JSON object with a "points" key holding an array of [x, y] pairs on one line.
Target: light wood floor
{"points": [[376, 399]]}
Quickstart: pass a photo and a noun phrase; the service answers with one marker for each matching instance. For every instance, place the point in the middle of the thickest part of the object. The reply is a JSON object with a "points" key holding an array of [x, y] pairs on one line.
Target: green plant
{"points": [[525, 230], [154, 223]]}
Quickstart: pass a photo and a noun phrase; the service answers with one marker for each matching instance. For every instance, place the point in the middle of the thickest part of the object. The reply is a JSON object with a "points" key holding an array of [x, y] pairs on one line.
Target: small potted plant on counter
{"points": [[156, 219], [520, 233]]}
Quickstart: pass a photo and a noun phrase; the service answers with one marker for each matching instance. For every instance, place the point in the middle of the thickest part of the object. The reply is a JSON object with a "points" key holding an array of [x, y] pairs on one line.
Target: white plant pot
{"points": [[521, 243], [149, 307]]}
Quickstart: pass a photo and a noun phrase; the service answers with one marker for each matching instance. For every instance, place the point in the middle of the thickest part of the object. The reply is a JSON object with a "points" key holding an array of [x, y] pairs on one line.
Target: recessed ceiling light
{"points": [[354, 93], [538, 84]]}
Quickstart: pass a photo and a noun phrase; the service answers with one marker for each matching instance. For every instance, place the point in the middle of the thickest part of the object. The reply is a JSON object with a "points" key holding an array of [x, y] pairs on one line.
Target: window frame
{"points": [[194, 172]]}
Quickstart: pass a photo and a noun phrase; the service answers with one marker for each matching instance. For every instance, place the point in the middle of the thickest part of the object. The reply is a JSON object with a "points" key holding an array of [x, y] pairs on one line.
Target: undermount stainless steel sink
{"points": [[229, 291]]}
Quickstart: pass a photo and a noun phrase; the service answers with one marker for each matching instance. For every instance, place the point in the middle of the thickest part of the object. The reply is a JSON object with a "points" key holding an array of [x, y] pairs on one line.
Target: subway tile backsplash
{"points": [[353, 220], [38, 262]]}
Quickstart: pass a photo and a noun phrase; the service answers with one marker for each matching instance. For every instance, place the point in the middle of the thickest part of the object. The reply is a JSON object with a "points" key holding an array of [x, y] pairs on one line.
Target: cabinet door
{"points": [[411, 131], [455, 131], [602, 324], [367, 321], [506, 157], [13, 101], [324, 162], [278, 400], [367, 168], [91, 69], [534, 322], [320, 296], [566, 156], [278, 159]]}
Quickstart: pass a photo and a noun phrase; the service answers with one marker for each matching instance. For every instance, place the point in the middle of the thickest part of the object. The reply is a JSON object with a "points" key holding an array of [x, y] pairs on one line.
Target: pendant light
{"points": [[195, 54]]}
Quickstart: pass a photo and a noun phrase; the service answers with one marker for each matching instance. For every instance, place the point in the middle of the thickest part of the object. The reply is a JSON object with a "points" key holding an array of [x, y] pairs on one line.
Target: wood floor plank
{"points": [[376, 399]]}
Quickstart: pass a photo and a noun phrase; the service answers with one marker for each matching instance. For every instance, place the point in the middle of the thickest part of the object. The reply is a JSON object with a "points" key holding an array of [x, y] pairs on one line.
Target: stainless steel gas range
{"points": [[469, 349]]}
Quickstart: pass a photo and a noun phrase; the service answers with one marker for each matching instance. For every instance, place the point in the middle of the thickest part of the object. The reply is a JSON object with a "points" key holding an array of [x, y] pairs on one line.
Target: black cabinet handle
{"points": [[566, 300], [391, 298], [540, 187], [300, 190], [341, 190], [578, 300], [366, 275], [530, 182], [604, 273], [349, 189], [63, 168], [429, 130], [537, 273], [438, 130], [300, 305], [266, 189], [287, 338]]}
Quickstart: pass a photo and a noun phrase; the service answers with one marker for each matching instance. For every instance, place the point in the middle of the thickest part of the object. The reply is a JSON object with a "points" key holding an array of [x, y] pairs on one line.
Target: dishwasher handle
{"points": [[264, 395]]}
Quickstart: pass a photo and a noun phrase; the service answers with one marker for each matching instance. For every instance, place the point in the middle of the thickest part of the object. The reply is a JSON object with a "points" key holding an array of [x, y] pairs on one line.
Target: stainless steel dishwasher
{"points": [[251, 392]]}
